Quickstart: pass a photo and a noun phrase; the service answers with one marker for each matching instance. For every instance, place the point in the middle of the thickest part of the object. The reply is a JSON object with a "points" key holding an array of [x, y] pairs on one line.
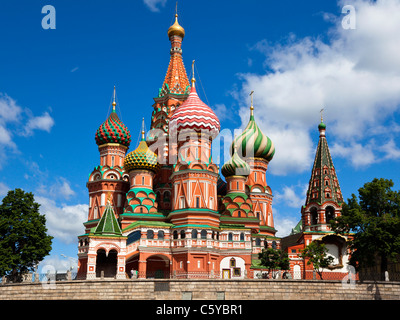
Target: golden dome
{"points": [[176, 29]]}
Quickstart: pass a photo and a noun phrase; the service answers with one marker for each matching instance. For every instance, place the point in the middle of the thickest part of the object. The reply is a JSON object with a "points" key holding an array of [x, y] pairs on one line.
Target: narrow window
{"points": [[197, 202], [112, 161]]}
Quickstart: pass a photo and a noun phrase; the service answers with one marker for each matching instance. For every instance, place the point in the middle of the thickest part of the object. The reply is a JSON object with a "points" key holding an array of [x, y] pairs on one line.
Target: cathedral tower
{"points": [[113, 139], [257, 150], [173, 92], [324, 198]]}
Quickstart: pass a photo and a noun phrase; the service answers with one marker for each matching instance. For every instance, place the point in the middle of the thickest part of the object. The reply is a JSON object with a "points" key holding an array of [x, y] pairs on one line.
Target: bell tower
{"points": [[324, 197]]}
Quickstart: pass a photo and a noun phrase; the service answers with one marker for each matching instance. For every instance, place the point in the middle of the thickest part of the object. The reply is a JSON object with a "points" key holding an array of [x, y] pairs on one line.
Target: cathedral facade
{"points": [[164, 210]]}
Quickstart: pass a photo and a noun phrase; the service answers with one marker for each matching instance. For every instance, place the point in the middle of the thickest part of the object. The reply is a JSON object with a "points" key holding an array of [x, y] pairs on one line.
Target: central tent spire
{"points": [[176, 80]]}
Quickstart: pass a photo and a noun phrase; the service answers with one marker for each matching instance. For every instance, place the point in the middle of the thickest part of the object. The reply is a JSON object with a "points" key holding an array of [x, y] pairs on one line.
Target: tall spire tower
{"points": [[174, 91], [324, 198]]}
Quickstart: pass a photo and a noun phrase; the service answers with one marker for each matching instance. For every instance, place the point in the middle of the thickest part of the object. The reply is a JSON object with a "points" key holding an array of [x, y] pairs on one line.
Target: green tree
{"points": [[316, 254], [373, 219], [23, 235], [274, 259]]}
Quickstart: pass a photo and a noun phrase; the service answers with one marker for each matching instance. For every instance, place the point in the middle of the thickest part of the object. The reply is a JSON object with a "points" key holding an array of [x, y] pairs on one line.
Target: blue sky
{"points": [[56, 88]]}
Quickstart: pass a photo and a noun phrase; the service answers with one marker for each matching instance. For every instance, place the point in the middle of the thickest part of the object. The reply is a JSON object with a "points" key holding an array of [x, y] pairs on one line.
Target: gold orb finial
{"points": [[176, 29]]}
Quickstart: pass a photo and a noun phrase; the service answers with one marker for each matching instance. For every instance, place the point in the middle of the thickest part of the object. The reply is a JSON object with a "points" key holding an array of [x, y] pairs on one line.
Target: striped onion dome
{"points": [[141, 158], [113, 131], [195, 115], [253, 142], [235, 166]]}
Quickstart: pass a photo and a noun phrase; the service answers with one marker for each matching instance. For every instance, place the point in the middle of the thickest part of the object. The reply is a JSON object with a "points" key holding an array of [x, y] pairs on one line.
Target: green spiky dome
{"points": [[113, 131], [235, 166], [253, 142], [141, 158]]}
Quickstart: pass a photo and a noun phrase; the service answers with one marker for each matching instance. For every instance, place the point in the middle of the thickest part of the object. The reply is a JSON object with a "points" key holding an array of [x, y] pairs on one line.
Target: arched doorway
{"points": [[106, 263], [296, 272], [157, 267]]}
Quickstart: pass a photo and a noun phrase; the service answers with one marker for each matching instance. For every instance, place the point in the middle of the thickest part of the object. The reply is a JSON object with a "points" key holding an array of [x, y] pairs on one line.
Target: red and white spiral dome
{"points": [[194, 115]]}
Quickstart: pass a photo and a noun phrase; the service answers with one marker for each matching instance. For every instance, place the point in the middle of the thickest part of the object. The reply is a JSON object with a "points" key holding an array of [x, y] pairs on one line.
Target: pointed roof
{"points": [[108, 224], [324, 184], [176, 80]]}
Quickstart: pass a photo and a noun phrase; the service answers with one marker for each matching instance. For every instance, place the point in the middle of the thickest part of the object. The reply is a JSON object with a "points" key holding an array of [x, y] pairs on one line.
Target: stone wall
{"points": [[201, 290]]}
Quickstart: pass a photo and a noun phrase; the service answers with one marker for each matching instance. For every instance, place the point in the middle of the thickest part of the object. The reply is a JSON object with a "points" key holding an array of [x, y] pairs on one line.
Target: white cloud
{"points": [[17, 120], [365, 155], [44, 122], [355, 77], [153, 4], [3, 189], [290, 197], [59, 264], [59, 189], [284, 225], [64, 222]]}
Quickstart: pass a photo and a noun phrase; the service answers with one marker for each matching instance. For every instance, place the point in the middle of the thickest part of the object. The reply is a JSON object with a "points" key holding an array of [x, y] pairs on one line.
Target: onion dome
{"points": [[253, 142], [141, 158], [194, 115], [176, 29], [322, 126], [235, 166], [113, 130]]}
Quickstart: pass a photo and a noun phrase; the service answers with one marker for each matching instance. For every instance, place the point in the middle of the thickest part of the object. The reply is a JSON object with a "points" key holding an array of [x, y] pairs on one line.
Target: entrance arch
{"points": [[107, 263], [158, 267], [296, 272]]}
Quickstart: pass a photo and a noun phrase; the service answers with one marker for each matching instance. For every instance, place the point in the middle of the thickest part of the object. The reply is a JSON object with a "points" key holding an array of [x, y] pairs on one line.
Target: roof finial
{"points": [[143, 129], [114, 103], [251, 106], [321, 111], [193, 79], [176, 9]]}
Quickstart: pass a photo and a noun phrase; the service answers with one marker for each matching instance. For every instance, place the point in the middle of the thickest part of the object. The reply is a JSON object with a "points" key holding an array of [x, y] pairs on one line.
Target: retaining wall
{"points": [[201, 290]]}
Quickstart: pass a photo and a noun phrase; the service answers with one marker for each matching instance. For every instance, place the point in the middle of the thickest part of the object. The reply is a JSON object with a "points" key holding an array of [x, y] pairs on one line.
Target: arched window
{"points": [[160, 235], [175, 234], [241, 236], [150, 234], [314, 215], [274, 244], [204, 234], [183, 235], [230, 236], [329, 214], [166, 196], [194, 234], [258, 241]]}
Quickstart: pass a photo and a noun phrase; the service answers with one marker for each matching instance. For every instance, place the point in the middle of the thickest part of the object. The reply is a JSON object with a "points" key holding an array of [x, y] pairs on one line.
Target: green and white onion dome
{"points": [[252, 142], [235, 166]]}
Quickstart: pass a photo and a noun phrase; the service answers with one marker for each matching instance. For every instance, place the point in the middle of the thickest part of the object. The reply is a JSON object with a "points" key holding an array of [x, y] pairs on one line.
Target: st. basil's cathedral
{"points": [[164, 210]]}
